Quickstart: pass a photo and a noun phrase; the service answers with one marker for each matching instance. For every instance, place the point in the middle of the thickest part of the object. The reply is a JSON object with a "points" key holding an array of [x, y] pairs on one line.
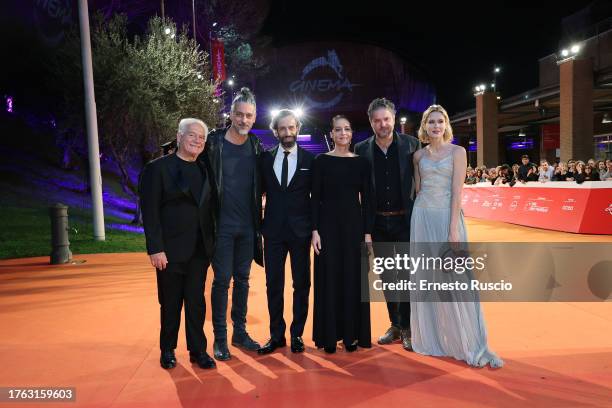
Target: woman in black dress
{"points": [[342, 221]]}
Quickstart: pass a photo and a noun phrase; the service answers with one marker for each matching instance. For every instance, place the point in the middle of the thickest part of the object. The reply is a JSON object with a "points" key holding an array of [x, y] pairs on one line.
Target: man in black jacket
{"points": [[287, 228], [524, 169], [390, 155], [178, 199], [234, 154]]}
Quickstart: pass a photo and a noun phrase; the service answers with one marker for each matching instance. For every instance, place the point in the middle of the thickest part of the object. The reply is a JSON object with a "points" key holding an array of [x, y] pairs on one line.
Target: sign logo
{"points": [[320, 90], [609, 209], [51, 19]]}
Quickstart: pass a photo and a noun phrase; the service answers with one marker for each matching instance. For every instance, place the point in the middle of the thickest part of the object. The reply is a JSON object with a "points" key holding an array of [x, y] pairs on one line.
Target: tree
{"points": [[143, 86], [238, 24]]}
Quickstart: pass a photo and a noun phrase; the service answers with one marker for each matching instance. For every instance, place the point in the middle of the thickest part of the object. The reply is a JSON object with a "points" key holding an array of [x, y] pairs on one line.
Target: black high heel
{"points": [[351, 347]]}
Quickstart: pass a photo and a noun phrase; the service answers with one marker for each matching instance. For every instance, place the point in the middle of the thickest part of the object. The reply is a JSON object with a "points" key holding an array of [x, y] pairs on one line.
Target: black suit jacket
{"points": [[287, 209], [406, 146], [172, 216]]}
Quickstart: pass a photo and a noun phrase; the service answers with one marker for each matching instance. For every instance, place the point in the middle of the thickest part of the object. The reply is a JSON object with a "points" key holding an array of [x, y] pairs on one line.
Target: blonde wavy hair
{"points": [[448, 130]]}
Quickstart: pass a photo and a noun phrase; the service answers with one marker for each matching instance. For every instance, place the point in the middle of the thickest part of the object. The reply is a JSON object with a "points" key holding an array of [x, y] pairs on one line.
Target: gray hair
{"points": [[380, 103], [244, 95], [186, 122], [283, 113]]}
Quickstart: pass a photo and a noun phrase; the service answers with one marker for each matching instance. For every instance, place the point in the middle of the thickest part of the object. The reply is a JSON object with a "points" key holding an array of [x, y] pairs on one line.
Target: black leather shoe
{"points": [[330, 350], [203, 359], [297, 345], [221, 351], [271, 345], [406, 339], [245, 342], [392, 334], [167, 359]]}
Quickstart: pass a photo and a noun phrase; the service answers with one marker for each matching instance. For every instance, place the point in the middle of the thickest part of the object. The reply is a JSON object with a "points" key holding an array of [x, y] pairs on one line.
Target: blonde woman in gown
{"points": [[443, 328]]}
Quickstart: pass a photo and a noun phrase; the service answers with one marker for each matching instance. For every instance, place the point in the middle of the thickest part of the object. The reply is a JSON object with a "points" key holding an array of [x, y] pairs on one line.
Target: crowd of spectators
{"points": [[574, 170]]}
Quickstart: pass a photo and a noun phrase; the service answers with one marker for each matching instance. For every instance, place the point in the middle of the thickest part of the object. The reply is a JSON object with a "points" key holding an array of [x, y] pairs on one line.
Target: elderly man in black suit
{"points": [[390, 156], [178, 199], [287, 228]]}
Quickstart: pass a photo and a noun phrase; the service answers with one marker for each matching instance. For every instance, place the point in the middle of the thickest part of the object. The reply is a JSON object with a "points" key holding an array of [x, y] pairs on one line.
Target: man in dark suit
{"points": [[178, 202], [287, 228], [390, 156]]}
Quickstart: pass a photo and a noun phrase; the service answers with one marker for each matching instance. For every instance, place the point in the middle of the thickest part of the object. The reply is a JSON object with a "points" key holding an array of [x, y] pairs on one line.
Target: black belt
{"points": [[390, 213]]}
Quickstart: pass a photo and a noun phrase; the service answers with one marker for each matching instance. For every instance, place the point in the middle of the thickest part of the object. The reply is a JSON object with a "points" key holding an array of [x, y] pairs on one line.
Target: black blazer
{"points": [[287, 209], [406, 146], [172, 216]]}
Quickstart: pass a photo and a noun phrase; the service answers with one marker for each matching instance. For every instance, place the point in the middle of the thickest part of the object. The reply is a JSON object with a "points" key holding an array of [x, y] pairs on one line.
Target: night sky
{"points": [[456, 45]]}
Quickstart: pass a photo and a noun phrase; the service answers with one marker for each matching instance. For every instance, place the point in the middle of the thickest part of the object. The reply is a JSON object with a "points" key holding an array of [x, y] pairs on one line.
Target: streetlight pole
{"points": [[95, 176], [163, 12], [194, 19]]}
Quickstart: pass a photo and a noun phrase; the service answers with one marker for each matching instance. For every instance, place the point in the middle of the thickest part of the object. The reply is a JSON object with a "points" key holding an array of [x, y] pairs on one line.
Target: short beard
{"points": [[288, 145], [240, 131], [390, 133]]}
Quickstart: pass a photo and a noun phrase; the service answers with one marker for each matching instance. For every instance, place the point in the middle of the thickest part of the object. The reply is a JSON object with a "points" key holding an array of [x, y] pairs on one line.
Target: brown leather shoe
{"points": [[406, 339], [392, 335]]}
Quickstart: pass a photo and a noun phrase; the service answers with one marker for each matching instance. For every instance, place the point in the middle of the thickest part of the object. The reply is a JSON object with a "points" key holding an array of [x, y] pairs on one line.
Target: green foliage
{"points": [[143, 86], [239, 55]]}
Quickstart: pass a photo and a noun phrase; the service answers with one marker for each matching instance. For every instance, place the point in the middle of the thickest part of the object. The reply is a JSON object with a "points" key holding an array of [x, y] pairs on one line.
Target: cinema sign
{"points": [[319, 91]]}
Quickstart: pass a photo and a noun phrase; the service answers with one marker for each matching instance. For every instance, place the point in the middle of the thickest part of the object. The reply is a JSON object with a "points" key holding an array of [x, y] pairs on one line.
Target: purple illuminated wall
{"points": [[326, 78]]}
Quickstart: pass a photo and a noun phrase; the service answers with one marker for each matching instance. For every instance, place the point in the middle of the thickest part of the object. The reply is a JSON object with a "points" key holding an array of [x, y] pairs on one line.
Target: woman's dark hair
{"points": [[338, 117]]}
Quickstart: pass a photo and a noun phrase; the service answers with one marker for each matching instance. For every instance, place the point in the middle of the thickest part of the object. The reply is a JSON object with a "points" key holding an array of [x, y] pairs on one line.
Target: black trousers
{"points": [[393, 229], [182, 283], [275, 256]]}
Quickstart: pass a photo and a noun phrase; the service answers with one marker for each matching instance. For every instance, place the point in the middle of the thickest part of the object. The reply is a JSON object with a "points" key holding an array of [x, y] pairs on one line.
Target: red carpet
{"points": [[94, 326]]}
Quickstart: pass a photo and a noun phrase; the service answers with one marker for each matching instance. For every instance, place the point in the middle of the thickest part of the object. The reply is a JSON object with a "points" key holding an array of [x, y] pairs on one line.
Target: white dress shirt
{"points": [[547, 175], [291, 159]]}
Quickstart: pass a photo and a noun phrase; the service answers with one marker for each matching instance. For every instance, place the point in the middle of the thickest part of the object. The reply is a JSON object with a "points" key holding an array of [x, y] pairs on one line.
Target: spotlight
{"points": [[564, 52], [299, 112], [230, 82], [167, 30], [496, 70], [403, 120], [274, 112], [575, 49]]}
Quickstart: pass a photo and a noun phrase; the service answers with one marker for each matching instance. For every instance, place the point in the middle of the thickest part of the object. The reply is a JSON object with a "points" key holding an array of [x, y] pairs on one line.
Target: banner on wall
{"points": [[551, 136], [218, 60]]}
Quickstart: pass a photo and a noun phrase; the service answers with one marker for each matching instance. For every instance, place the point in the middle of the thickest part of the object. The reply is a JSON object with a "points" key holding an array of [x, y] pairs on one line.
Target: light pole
{"points": [[95, 176], [194, 19]]}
